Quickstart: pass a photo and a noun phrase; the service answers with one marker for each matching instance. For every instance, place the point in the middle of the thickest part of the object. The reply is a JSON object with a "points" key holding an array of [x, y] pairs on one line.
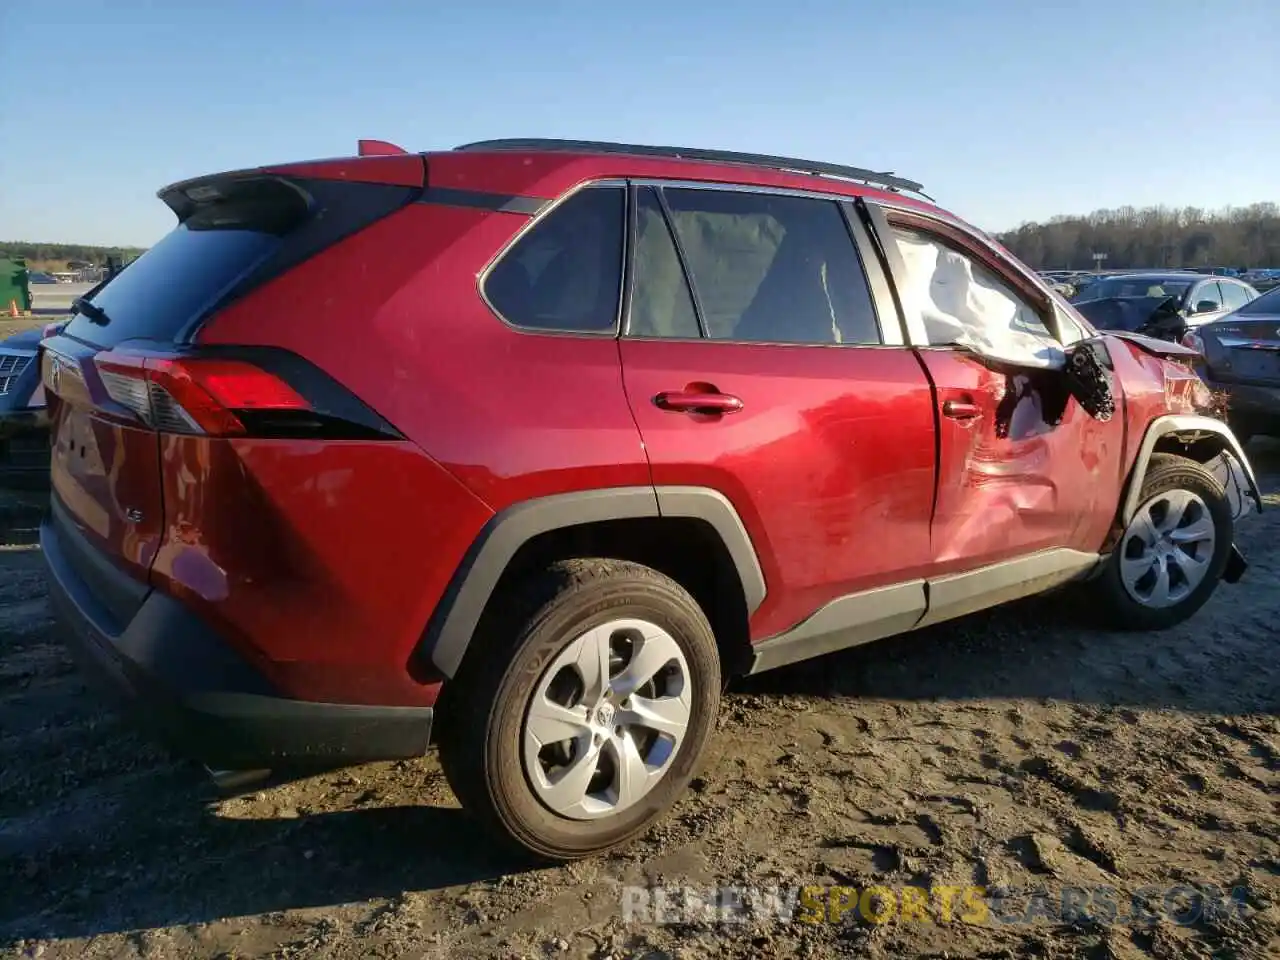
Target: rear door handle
{"points": [[684, 401], [961, 410]]}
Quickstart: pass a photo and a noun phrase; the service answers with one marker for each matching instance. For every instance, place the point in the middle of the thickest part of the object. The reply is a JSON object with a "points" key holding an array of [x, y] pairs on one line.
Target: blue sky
{"points": [[1007, 110]]}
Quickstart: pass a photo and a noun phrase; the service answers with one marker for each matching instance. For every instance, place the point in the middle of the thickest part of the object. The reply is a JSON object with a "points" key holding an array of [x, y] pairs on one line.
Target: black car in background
{"points": [[1241, 359], [1161, 304], [24, 428]]}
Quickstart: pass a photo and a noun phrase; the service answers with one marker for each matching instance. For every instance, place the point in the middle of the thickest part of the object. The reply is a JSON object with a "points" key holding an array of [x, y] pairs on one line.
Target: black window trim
{"points": [[857, 236], [548, 210], [633, 235], [888, 317], [704, 331]]}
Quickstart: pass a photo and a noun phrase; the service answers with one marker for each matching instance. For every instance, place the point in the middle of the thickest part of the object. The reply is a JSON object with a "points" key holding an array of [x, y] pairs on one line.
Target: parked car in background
{"points": [[658, 417], [1162, 304], [1241, 359], [24, 429]]}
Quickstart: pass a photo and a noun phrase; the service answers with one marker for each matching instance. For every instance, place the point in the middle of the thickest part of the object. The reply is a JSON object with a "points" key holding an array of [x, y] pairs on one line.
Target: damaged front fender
{"points": [[1207, 440]]}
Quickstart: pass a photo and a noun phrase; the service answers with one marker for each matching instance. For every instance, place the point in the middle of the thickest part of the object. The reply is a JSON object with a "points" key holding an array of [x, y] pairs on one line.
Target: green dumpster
{"points": [[14, 289]]}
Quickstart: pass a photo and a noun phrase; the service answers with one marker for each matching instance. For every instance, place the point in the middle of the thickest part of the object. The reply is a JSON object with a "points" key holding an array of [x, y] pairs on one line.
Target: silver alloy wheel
{"points": [[1167, 548], [606, 719]]}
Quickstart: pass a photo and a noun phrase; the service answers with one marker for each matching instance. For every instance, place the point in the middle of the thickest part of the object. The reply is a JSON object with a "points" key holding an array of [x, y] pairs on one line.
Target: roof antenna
{"points": [[379, 148]]}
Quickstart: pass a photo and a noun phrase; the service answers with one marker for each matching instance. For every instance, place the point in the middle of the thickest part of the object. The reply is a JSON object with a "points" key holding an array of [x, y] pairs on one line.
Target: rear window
{"points": [[234, 235], [1136, 287], [157, 295]]}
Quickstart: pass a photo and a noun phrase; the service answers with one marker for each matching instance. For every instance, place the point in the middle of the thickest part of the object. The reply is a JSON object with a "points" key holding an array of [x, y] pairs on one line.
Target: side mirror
{"points": [[1206, 306]]}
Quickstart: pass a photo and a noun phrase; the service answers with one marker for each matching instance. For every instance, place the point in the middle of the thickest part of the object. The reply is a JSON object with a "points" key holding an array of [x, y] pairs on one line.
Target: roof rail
{"points": [[815, 167]]}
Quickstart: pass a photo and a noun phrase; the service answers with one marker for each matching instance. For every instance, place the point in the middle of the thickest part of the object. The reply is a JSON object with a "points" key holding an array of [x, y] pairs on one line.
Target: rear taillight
{"points": [[193, 395]]}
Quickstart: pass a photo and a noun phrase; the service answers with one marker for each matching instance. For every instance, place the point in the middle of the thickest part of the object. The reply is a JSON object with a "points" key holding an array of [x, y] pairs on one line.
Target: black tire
{"points": [[1168, 472], [482, 710]]}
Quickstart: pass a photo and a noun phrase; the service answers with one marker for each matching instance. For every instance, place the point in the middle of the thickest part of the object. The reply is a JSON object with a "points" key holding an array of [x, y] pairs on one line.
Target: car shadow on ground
{"points": [[178, 862]]}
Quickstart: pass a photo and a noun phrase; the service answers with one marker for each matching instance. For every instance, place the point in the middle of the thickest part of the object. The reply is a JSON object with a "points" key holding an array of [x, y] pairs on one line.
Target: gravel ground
{"points": [[1021, 748]]}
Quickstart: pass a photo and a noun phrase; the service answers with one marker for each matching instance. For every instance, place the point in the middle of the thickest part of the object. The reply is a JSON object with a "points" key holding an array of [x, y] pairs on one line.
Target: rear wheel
{"points": [[1171, 556], [582, 715]]}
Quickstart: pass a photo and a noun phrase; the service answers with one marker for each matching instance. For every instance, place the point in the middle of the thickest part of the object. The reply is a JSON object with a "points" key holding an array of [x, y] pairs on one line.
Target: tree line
{"points": [[46, 252], [1152, 237]]}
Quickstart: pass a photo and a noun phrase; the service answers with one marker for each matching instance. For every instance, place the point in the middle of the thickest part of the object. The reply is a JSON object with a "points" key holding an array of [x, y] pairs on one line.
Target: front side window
{"points": [[1206, 298], [565, 273], [772, 269], [962, 302]]}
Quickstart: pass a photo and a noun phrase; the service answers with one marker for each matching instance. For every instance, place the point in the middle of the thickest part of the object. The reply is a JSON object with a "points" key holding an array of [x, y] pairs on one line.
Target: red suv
{"points": [[524, 448]]}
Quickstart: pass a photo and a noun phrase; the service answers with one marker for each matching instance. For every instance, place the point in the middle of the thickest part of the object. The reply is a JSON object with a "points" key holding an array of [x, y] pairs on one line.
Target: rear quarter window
{"points": [[565, 273]]}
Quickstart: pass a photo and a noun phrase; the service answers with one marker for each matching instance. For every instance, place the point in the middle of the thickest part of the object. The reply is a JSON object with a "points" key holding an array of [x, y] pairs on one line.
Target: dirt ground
{"points": [[1020, 748]]}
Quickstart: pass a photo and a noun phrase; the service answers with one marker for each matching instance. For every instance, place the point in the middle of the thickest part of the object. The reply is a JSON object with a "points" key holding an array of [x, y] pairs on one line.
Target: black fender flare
{"points": [[445, 642], [1182, 426]]}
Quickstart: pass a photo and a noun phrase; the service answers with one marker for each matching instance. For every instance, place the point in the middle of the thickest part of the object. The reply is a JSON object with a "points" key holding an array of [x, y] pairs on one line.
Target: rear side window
{"points": [[661, 305], [565, 273], [773, 269], [235, 236]]}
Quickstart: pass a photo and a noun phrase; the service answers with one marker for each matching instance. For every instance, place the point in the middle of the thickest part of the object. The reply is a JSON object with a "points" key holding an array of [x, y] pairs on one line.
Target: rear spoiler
{"points": [[1153, 346], [377, 166]]}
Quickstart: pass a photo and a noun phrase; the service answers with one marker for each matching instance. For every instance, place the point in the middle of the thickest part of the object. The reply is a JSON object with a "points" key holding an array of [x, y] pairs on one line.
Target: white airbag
{"points": [[963, 305]]}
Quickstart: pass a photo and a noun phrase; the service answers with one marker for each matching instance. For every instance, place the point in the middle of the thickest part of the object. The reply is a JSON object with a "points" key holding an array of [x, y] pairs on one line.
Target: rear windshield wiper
{"points": [[90, 310]]}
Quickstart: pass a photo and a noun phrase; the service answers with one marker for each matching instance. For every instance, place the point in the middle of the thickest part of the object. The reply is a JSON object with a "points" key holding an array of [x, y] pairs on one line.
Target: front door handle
{"points": [[961, 410], [686, 401]]}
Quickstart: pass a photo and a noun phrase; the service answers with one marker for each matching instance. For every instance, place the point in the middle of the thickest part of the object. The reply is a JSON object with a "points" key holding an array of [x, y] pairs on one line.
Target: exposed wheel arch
{"points": [[693, 534], [1195, 437]]}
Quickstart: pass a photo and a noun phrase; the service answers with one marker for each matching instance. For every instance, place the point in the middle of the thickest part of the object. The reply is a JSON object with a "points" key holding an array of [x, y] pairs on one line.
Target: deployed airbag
{"points": [[962, 303]]}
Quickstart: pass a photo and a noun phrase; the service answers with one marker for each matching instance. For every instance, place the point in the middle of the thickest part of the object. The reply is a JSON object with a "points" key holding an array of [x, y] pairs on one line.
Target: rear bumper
{"points": [[175, 677]]}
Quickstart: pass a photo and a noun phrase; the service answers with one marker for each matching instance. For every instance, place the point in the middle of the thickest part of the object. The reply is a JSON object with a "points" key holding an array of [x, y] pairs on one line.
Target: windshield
{"points": [[1135, 287], [1269, 302]]}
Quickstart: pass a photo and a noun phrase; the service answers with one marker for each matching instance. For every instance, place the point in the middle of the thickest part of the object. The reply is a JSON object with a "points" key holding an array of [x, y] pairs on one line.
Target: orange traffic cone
{"points": [[13, 309]]}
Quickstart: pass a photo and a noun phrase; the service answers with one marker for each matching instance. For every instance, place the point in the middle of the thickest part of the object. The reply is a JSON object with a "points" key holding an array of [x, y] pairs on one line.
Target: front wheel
{"points": [[584, 713], [1170, 557]]}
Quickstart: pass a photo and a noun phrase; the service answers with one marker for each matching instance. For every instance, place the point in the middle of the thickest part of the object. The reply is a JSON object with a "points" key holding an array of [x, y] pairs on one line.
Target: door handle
{"points": [[685, 401], [961, 410]]}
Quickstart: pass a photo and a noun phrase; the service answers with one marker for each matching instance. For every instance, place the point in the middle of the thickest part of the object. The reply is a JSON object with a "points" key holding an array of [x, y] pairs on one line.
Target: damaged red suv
{"points": [[524, 448]]}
